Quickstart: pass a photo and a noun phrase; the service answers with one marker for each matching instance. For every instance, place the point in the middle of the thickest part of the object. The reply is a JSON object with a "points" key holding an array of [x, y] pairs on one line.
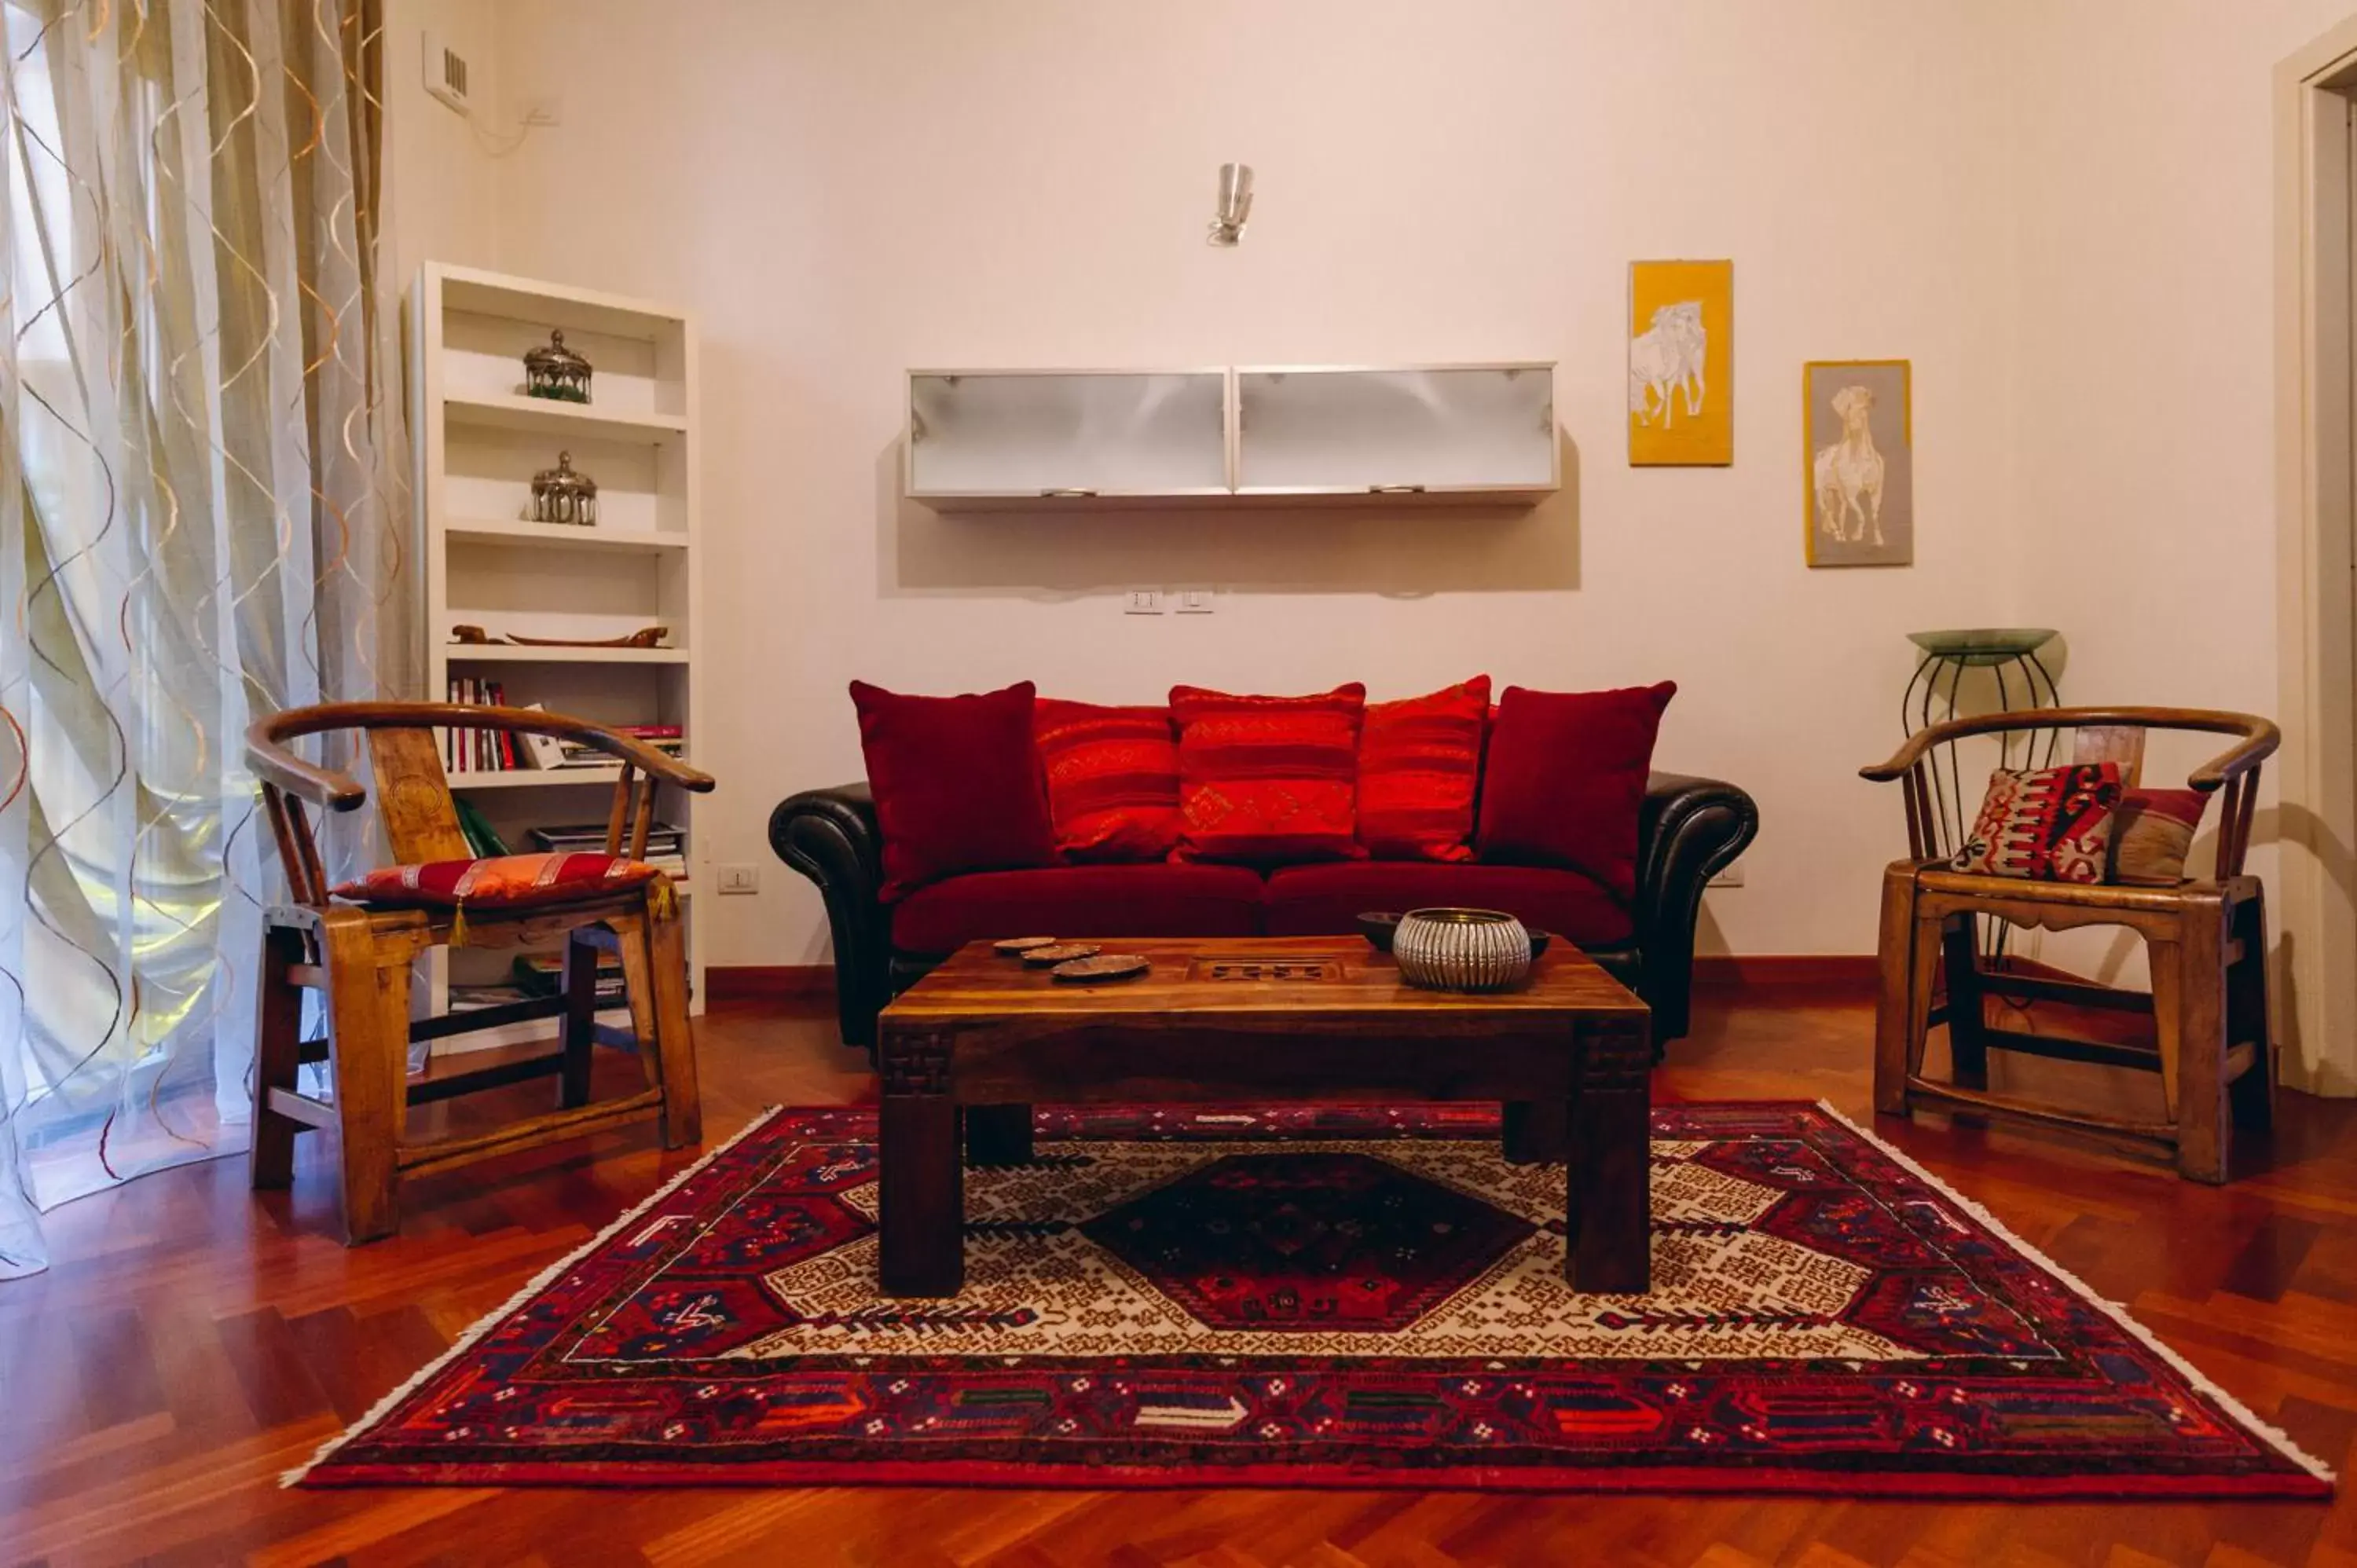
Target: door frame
{"points": [[2316, 510]]}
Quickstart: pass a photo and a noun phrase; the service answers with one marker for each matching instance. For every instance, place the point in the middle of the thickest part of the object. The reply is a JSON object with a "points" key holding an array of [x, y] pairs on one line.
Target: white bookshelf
{"points": [[479, 442]]}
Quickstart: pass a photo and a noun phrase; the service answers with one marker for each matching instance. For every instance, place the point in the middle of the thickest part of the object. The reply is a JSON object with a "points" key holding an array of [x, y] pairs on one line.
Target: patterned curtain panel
{"points": [[204, 517]]}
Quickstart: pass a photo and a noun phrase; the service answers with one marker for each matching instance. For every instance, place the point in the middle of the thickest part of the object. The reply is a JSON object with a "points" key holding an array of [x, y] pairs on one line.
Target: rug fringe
{"points": [[2274, 1436], [532, 1287]]}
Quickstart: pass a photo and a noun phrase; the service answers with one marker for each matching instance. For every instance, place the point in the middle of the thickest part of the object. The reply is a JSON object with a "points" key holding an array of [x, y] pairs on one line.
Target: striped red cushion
{"points": [[1419, 766], [1268, 780], [496, 882], [1113, 780]]}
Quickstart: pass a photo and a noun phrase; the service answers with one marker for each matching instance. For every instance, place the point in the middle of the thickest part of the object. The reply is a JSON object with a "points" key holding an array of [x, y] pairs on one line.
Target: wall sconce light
{"points": [[1235, 205]]}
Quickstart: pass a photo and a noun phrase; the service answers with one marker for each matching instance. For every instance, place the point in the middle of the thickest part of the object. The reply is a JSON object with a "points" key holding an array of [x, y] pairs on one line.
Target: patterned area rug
{"points": [[1322, 1298]]}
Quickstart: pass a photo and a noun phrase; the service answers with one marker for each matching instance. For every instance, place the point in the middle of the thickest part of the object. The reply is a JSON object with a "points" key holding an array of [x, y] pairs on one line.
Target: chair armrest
{"points": [[1688, 830], [274, 764], [831, 836]]}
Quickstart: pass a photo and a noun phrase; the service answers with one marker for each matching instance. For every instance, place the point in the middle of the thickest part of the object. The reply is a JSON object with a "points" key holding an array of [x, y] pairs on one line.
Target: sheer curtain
{"points": [[204, 517]]}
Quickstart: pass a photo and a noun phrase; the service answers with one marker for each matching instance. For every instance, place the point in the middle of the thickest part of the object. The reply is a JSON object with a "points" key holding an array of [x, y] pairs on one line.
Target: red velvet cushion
{"points": [[1326, 901], [496, 882], [957, 783], [1268, 780], [1566, 778], [1113, 780], [1419, 768], [1080, 901]]}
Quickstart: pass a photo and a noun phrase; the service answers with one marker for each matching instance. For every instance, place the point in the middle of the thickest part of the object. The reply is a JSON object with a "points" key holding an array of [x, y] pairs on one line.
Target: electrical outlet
{"points": [[740, 879], [1143, 602], [542, 109], [1732, 876], [1195, 602]]}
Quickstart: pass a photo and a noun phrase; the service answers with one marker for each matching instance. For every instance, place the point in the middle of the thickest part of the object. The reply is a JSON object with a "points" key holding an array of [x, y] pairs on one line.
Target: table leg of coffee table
{"points": [[921, 1221], [1608, 1169], [998, 1134]]}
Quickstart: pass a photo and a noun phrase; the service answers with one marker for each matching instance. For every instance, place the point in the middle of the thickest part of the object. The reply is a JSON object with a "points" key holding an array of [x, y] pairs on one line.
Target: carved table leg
{"points": [[1608, 1175], [921, 1204], [998, 1134]]}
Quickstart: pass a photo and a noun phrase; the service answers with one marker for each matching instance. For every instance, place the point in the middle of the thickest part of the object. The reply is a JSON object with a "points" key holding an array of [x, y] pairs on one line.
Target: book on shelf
{"points": [[468, 750], [666, 848], [482, 837], [502, 751]]}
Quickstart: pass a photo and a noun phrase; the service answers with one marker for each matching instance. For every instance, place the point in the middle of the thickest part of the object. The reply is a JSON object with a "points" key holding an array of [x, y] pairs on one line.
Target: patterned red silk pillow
{"points": [[2047, 824], [1268, 780], [1565, 781], [1419, 768], [496, 882], [956, 781], [2152, 832], [1113, 780]]}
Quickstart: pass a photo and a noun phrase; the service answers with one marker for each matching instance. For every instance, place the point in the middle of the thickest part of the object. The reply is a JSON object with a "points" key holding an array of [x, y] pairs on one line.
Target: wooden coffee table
{"points": [[971, 1045]]}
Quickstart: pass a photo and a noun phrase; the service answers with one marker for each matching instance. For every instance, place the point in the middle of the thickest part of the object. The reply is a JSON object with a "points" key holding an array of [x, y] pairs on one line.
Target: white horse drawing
{"points": [[1849, 472], [1666, 358]]}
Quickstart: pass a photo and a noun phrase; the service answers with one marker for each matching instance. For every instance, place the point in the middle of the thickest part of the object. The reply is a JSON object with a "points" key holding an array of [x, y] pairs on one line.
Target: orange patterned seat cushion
{"points": [[498, 882]]}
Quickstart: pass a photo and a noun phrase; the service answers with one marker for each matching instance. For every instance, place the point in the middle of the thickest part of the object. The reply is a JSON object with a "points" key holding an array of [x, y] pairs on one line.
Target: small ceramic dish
{"points": [[1104, 966], [1016, 946], [1059, 952]]}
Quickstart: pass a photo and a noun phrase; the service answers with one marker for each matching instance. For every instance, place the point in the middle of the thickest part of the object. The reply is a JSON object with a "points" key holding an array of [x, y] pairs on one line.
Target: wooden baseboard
{"points": [[770, 982], [1857, 972], [1844, 972]]}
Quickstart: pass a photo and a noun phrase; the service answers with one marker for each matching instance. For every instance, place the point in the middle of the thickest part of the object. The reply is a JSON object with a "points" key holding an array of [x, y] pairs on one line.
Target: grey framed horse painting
{"points": [[1857, 427]]}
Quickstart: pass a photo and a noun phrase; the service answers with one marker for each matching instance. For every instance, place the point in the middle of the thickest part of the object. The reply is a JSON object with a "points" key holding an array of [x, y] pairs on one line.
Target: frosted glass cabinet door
{"points": [[1476, 428], [1044, 433]]}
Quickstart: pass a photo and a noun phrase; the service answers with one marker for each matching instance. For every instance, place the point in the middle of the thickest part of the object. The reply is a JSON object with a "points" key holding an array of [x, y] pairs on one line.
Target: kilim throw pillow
{"points": [[2048, 824]]}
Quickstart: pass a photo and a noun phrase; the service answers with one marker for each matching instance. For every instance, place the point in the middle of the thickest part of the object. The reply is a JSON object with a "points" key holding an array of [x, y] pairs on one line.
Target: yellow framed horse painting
{"points": [[1681, 364]]}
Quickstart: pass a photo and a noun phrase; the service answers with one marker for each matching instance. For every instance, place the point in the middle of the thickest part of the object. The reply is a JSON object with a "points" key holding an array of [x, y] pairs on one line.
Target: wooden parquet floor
{"points": [[192, 1341]]}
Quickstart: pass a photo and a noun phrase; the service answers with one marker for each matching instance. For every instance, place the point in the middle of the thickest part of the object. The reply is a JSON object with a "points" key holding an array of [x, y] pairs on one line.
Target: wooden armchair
{"points": [[361, 958], [2207, 940]]}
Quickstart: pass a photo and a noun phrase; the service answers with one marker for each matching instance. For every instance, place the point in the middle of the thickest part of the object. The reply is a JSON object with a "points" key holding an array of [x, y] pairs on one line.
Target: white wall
{"points": [[2057, 208], [847, 190], [2142, 403], [444, 200]]}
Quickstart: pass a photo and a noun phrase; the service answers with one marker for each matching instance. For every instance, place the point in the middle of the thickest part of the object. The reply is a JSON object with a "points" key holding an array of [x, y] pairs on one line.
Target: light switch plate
{"points": [[1195, 602], [1143, 602], [1732, 876], [740, 879]]}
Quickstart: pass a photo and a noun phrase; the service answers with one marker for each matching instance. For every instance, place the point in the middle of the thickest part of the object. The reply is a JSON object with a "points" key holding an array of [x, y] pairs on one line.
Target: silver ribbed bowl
{"points": [[1462, 950]]}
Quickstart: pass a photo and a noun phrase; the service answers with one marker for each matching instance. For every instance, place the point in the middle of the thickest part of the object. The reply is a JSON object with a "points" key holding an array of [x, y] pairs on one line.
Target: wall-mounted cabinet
{"points": [[1030, 440], [1003, 435]]}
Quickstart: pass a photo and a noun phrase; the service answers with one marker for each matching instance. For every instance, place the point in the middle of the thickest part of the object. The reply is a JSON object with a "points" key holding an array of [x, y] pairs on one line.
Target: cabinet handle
{"points": [[1055, 494], [1395, 490]]}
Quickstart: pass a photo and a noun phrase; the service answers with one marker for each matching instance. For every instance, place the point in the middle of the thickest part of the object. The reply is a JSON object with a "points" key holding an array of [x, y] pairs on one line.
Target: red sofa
{"points": [[1688, 828]]}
